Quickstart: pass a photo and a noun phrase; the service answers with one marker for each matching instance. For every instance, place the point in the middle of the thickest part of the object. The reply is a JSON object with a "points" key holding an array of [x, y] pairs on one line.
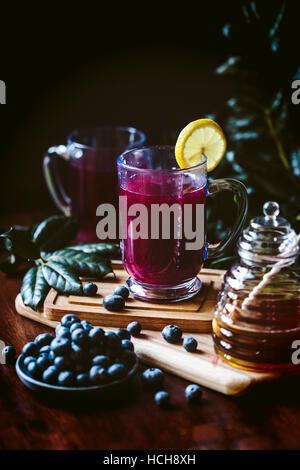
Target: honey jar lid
{"points": [[268, 238]]}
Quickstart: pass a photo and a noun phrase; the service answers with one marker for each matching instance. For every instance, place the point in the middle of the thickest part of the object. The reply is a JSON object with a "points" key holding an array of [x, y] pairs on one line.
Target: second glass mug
{"points": [[92, 157], [160, 269]]}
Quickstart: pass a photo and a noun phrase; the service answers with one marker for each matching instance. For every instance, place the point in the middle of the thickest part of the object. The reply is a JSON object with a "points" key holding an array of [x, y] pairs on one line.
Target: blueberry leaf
{"points": [[106, 250], [18, 242], [55, 232], [62, 278], [34, 288], [82, 263]]}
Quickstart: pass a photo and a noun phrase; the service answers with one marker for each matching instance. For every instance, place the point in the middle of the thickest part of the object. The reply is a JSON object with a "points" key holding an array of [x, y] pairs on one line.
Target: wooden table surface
{"points": [[268, 417]]}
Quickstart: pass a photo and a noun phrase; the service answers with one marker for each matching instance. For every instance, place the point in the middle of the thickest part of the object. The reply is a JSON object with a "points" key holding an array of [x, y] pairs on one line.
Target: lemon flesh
{"points": [[203, 136]]}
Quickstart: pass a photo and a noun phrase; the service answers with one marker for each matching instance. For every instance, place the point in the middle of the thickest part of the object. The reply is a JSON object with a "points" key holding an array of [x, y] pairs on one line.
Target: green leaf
{"points": [[62, 278], [18, 242], [106, 250], [84, 264], [34, 288], [55, 232]]}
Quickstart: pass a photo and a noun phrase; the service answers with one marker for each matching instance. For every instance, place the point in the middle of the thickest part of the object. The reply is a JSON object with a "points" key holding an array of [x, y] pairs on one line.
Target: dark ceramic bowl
{"points": [[97, 391]]}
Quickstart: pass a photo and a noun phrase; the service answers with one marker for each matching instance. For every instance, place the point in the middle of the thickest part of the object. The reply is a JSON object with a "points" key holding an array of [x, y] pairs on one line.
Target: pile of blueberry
{"points": [[113, 302], [172, 334], [80, 355]]}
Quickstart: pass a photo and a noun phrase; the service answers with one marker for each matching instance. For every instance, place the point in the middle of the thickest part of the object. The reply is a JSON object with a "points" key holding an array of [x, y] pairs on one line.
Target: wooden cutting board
{"points": [[203, 367], [192, 315]]}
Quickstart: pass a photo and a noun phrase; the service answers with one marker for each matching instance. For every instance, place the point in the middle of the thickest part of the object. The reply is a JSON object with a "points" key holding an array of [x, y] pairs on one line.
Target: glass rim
{"points": [[150, 170], [129, 129]]}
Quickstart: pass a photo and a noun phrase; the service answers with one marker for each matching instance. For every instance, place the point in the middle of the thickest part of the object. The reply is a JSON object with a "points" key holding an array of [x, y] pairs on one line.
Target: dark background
{"points": [[149, 68]]}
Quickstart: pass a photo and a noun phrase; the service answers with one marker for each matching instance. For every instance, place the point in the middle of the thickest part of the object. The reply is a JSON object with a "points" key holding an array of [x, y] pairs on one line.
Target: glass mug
{"points": [[92, 156], [163, 269]]}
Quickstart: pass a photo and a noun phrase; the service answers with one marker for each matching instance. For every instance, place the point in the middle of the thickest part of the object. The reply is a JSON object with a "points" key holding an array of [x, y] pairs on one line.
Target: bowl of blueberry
{"points": [[81, 359]]}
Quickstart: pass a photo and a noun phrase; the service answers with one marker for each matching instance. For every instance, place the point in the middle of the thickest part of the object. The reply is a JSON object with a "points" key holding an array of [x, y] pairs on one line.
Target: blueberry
{"points": [[51, 355], [28, 359], [123, 291], [112, 342], [45, 350], [162, 398], [134, 328], [60, 346], [190, 344], [103, 361], [98, 375], [123, 334], [153, 377], [66, 378], [68, 320], [172, 333], [62, 332], [80, 336], [128, 358], [62, 363], [86, 325], [8, 355], [127, 344], [97, 350], [96, 334], [193, 393], [117, 371], [76, 326], [82, 380], [30, 349], [34, 370], [78, 354], [114, 303], [50, 375], [43, 362], [43, 340], [90, 289]]}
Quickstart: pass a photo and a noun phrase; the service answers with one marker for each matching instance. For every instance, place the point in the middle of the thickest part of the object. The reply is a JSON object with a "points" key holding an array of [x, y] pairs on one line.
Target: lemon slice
{"points": [[198, 137]]}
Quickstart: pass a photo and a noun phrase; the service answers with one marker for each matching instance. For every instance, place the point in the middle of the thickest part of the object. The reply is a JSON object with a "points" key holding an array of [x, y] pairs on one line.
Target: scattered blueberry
{"points": [[80, 336], [117, 371], [114, 303], [96, 334], [127, 344], [82, 380], [123, 334], [153, 377], [43, 340], [162, 398], [193, 393], [90, 289], [123, 291], [30, 349], [190, 344], [134, 328], [66, 378], [69, 319], [9, 355], [172, 333], [103, 361], [50, 375], [60, 346], [98, 375]]}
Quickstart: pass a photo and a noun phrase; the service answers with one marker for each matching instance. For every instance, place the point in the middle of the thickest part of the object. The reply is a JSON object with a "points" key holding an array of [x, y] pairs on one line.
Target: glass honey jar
{"points": [[257, 316]]}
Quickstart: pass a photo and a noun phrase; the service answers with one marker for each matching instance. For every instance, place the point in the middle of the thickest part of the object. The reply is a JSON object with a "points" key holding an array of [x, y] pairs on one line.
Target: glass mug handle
{"points": [[55, 187], [240, 191]]}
